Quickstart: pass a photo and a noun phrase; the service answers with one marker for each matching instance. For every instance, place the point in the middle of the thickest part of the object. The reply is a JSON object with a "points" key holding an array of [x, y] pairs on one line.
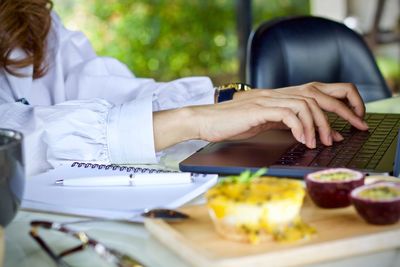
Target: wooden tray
{"points": [[341, 233]]}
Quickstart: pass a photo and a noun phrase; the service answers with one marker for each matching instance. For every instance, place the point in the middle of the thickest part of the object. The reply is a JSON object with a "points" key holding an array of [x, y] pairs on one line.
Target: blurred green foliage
{"points": [[390, 68], [169, 39]]}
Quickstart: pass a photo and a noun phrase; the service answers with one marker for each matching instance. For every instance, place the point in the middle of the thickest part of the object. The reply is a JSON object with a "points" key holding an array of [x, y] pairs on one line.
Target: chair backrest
{"points": [[298, 50]]}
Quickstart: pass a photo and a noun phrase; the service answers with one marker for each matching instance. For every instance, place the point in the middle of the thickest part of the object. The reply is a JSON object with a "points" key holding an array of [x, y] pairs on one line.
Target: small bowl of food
{"points": [[257, 209], [331, 188], [378, 203]]}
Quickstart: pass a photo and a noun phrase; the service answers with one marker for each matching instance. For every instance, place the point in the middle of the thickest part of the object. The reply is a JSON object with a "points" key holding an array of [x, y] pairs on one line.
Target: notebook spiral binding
{"points": [[116, 167]]}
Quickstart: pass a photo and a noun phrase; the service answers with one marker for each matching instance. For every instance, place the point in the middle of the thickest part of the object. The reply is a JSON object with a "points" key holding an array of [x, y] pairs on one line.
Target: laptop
{"points": [[372, 152]]}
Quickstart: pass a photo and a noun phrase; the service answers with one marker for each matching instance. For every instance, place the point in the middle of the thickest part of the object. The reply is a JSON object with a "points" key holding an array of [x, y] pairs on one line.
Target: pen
{"points": [[138, 179]]}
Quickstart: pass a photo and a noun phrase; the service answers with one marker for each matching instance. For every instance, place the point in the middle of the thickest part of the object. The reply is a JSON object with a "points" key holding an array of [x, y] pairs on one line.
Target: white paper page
{"points": [[97, 213], [110, 202]]}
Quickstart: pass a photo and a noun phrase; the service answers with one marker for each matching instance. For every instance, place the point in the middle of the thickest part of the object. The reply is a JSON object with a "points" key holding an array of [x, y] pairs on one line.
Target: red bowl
{"points": [[377, 211], [328, 191]]}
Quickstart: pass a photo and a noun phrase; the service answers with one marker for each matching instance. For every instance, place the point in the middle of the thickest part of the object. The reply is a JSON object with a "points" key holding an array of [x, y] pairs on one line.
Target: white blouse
{"points": [[88, 108]]}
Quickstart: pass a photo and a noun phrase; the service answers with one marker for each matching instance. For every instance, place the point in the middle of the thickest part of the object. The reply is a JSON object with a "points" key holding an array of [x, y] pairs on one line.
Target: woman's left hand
{"points": [[340, 98]]}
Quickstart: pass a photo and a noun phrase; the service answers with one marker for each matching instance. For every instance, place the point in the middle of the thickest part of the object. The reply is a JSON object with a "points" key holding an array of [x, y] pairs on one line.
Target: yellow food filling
{"points": [[259, 207], [381, 193], [335, 176]]}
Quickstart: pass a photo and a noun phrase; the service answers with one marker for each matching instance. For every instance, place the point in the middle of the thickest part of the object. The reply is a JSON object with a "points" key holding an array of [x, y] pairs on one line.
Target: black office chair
{"points": [[298, 50]]}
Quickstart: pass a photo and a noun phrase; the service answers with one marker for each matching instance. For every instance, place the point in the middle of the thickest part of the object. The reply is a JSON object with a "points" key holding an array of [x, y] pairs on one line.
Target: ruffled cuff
{"points": [[75, 130]]}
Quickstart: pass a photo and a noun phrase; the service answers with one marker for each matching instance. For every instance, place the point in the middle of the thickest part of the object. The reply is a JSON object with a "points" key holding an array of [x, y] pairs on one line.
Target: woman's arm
{"points": [[299, 108]]}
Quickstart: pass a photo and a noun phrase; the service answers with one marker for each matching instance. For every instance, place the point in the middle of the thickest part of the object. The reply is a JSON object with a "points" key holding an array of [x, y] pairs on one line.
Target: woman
{"points": [[72, 105]]}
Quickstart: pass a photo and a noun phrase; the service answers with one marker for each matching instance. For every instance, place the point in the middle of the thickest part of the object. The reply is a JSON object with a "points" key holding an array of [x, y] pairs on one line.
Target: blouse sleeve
{"points": [[74, 130], [98, 112], [130, 123]]}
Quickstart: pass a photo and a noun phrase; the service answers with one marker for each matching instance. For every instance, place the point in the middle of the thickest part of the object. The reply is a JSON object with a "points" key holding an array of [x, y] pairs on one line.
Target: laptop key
{"points": [[305, 160], [358, 163], [358, 149], [321, 161]]}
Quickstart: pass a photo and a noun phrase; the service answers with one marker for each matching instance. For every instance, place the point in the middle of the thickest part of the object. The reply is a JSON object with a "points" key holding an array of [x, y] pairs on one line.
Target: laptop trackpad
{"points": [[262, 150]]}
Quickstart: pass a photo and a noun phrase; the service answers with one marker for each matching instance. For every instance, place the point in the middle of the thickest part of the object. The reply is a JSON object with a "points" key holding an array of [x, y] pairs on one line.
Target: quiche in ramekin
{"points": [[258, 209]]}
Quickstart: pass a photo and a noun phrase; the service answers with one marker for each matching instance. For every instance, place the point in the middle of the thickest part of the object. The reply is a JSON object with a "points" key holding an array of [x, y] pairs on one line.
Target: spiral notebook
{"points": [[114, 202]]}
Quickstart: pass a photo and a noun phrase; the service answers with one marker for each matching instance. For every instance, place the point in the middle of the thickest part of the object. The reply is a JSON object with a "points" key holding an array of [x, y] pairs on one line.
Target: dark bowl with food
{"points": [[331, 188], [378, 203]]}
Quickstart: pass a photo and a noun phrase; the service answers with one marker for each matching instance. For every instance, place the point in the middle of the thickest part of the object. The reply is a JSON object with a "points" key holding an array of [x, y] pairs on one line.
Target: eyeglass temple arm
{"points": [[43, 245]]}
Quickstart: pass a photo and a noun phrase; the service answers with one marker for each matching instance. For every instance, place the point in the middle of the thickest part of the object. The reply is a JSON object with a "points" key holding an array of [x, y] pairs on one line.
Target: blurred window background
{"points": [[169, 39]]}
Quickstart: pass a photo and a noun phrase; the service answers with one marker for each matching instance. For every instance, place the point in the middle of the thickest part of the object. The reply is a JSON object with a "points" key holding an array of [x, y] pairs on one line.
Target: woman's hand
{"points": [[340, 98], [299, 108]]}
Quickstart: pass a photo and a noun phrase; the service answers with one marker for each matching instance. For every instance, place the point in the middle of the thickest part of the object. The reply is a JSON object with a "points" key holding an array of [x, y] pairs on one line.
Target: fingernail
{"points": [[313, 143], [302, 139], [365, 124], [338, 136], [330, 140]]}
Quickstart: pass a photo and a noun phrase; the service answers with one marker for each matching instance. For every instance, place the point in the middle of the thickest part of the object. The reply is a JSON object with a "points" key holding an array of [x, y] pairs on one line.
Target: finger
{"points": [[287, 117], [343, 111], [305, 115], [321, 122], [332, 104], [346, 91], [337, 137], [300, 108], [319, 118]]}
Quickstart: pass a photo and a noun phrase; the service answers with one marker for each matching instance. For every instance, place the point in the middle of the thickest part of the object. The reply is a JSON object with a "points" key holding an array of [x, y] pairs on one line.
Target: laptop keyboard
{"points": [[359, 149]]}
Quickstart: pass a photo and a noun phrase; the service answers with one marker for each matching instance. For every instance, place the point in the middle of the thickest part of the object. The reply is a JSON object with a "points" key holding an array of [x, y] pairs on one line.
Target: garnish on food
{"points": [[245, 177], [250, 208], [331, 188], [378, 203]]}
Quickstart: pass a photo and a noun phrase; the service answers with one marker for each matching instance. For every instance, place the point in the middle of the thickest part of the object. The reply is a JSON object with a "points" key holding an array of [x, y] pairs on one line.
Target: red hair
{"points": [[24, 24]]}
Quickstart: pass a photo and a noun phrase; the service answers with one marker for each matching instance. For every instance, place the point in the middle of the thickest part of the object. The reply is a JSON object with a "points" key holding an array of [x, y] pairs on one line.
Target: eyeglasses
{"points": [[108, 254]]}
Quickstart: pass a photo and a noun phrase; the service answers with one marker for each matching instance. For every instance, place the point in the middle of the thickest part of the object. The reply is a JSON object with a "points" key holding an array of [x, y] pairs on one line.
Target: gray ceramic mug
{"points": [[12, 174]]}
